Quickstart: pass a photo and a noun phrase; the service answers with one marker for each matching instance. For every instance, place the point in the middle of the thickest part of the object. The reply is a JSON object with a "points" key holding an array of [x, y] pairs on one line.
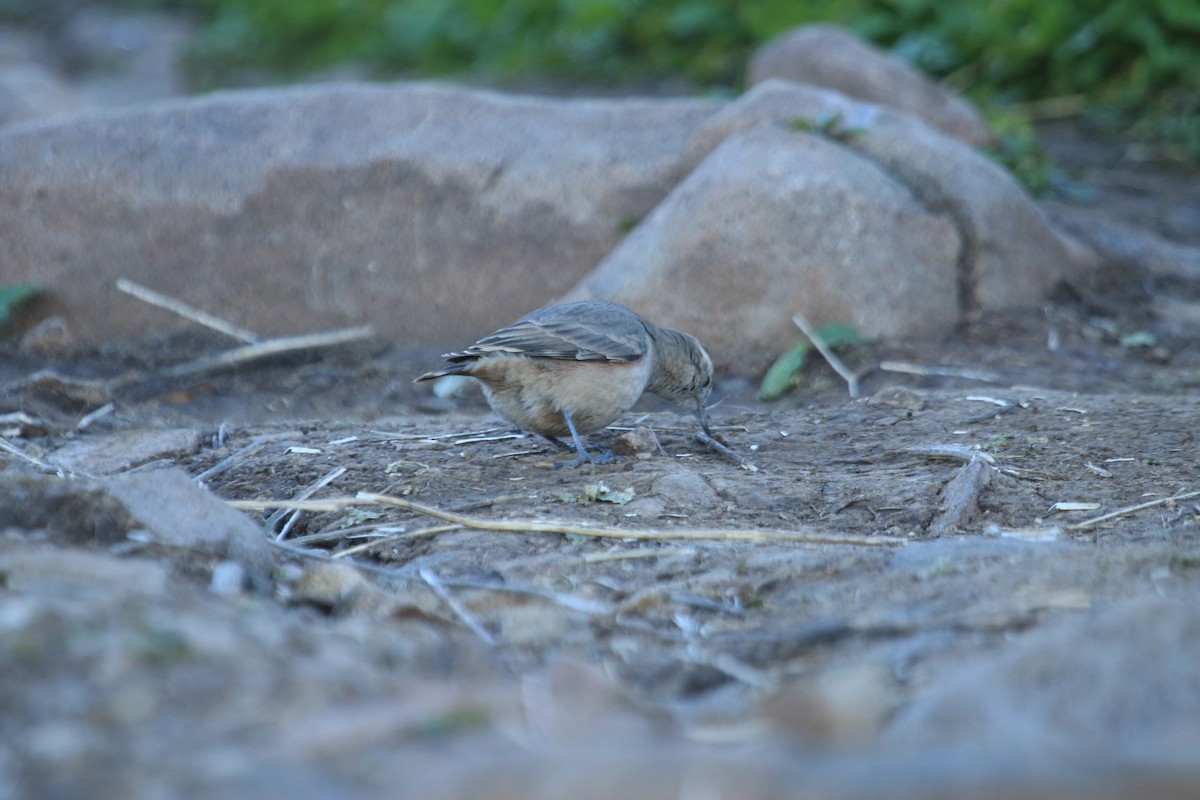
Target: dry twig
{"points": [[945, 372], [397, 537], [268, 347], [1121, 512], [825, 350], [960, 496], [196, 315], [44, 466], [230, 460], [757, 536], [329, 478], [458, 608]]}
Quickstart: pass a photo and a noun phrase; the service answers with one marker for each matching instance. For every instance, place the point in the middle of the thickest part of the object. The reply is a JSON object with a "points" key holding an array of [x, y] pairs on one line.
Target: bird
{"points": [[573, 368]]}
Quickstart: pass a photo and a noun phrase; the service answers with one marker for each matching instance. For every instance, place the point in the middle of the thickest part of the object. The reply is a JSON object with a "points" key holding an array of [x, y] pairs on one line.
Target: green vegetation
{"points": [[784, 374], [14, 295], [1137, 61], [1132, 64]]}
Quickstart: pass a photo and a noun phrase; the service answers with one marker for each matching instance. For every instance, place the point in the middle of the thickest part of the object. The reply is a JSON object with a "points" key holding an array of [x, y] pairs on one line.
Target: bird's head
{"points": [[683, 372]]}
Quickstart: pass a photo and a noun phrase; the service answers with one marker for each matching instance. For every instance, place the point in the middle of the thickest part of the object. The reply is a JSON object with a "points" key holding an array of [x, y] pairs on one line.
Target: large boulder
{"points": [[774, 222], [834, 58], [420, 208], [804, 200]]}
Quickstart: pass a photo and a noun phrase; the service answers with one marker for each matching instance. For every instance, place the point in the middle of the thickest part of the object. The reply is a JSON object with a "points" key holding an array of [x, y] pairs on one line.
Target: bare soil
{"points": [[455, 661]]}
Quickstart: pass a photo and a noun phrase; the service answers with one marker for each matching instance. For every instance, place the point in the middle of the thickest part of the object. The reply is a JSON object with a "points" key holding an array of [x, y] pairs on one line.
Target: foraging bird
{"points": [[576, 367]]}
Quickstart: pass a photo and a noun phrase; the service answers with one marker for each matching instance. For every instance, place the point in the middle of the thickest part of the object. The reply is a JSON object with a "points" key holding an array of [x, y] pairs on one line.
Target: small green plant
{"points": [[784, 374], [831, 126], [1135, 63], [14, 295], [1017, 149]]}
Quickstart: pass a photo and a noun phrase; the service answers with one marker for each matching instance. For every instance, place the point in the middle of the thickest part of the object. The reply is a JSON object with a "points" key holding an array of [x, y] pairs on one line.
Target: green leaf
{"points": [[782, 374], [13, 296], [778, 380]]}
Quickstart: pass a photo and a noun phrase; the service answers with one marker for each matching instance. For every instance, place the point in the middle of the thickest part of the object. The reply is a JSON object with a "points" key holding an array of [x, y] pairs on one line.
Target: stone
{"points": [[177, 513], [640, 441], [685, 490], [49, 338], [1011, 257], [59, 570], [329, 585], [881, 222], [1124, 245], [227, 579], [1120, 680], [421, 209], [834, 58], [112, 453], [776, 221]]}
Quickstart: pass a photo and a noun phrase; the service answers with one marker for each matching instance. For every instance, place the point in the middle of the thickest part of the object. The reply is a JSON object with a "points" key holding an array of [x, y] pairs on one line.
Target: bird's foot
{"points": [[601, 456]]}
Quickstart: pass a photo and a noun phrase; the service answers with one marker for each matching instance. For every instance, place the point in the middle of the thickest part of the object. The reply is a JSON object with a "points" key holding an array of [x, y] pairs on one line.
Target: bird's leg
{"points": [[702, 416], [605, 456], [559, 443]]}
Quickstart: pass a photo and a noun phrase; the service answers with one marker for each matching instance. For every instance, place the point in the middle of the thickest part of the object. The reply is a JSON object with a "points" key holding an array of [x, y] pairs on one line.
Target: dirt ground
{"points": [[984, 629]]}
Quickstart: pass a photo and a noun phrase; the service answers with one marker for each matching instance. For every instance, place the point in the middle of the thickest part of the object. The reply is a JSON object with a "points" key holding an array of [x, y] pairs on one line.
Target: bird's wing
{"points": [[586, 331]]}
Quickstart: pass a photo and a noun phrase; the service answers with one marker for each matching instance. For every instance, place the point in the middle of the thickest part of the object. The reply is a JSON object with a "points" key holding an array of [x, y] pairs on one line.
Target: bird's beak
{"points": [[702, 416]]}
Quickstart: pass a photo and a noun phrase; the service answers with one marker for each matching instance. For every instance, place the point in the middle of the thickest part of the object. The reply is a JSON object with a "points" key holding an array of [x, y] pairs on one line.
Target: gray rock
{"points": [[177, 513], [1126, 245], [777, 221], [685, 490], [834, 58], [419, 208], [112, 453], [164, 503], [66, 570], [1121, 681], [1011, 255], [49, 338], [882, 223]]}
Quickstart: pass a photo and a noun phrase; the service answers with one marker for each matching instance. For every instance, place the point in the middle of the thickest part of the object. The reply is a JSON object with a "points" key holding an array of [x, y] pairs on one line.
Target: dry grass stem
{"points": [[87, 419], [44, 466], [1121, 512], [396, 436], [945, 372], [398, 537], [753, 535], [499, 438], [622, 555], [332, 534], [230, 460], [826, 351], [458, 608], [210, 321], [268, 347], [312, 489], [567, 601]]}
